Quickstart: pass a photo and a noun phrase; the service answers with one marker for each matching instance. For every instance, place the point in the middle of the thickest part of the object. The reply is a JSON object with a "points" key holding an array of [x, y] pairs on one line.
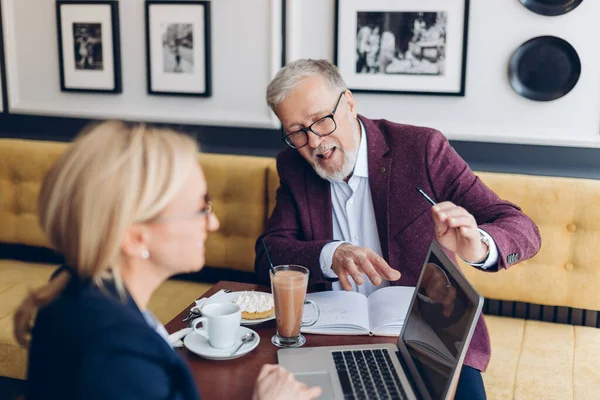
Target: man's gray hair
{"points": [[294, 72]]}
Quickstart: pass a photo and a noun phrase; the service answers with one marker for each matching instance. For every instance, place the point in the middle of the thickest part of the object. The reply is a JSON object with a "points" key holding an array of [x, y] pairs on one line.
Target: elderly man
{"points": [[347, 207]]}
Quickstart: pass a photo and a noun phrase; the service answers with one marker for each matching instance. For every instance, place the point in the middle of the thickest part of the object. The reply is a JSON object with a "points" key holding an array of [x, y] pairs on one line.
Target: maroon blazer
{"points": [[401, 158]]}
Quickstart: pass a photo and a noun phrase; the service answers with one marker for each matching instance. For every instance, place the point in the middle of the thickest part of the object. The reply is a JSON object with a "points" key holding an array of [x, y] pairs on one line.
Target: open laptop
{"points": [[426, 361]]}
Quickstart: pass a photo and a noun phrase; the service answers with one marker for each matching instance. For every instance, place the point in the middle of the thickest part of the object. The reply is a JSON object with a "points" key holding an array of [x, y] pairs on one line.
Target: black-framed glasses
{"points": [[322, 127], [205, 211]]}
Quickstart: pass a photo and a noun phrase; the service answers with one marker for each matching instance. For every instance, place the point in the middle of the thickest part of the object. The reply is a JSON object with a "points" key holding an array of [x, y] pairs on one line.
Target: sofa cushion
{"points": [[272, 185], [542, 360], [23, 165], [17, 278], [238, 189]]}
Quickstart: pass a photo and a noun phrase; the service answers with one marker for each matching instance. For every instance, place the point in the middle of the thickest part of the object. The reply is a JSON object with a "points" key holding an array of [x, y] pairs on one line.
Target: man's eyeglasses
{"points": [[204, 211], [322, 127]]}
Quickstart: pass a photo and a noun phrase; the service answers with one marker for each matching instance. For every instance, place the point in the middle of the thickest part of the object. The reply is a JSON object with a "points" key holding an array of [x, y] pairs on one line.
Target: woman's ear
{"points": [[135, 241]]}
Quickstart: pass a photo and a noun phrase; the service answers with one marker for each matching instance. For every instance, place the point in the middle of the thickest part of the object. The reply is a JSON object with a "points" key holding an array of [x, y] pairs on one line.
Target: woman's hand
{"points": [[275, 383]]}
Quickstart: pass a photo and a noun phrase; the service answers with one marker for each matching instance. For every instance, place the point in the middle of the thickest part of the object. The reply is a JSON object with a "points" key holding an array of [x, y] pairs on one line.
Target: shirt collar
{"points": [[361, 168]]}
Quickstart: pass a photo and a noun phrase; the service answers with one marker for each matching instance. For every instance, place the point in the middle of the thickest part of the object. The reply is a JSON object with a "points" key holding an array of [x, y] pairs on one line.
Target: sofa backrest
{"points": [[23, 166], [238, 189], [237, 186], [566, 271]]}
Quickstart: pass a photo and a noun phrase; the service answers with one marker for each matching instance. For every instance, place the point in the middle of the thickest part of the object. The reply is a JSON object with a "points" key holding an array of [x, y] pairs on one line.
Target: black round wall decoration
{"points": [[544, 68], [551, 8]]}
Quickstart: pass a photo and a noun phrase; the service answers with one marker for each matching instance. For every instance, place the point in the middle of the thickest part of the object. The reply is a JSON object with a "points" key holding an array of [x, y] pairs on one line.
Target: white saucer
{"points": [[198, 344], [229, 298]]}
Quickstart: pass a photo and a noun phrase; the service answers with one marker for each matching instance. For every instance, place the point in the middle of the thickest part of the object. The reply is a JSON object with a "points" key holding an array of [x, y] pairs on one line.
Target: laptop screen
{"points": [[437, 326]]}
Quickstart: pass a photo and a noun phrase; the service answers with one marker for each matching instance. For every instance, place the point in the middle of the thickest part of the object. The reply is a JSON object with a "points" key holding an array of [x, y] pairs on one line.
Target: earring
{"points": [[145, 254]]}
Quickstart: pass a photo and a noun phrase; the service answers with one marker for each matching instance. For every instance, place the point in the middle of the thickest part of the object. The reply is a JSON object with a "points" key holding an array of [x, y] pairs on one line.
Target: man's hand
{"points": [[350, 260], [456, 230]]}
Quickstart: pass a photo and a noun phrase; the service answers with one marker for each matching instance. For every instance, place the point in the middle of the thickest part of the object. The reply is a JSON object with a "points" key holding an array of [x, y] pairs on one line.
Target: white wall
{"points": [[246, 53], [491, 111]]}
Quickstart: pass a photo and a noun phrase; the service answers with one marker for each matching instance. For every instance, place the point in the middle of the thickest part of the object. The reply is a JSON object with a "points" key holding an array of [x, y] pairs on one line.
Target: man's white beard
{"points": [[343, 171], [348, 163]]}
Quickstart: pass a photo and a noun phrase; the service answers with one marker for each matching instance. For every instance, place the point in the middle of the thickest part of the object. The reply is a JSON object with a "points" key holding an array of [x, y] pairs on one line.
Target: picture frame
{"points": [[89, 46], [178, 48], [401, 47]]}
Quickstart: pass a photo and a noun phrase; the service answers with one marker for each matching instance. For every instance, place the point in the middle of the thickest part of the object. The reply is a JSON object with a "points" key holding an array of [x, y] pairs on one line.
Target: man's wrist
{"points": [[486, 255], [486, 244], [326, 259]]}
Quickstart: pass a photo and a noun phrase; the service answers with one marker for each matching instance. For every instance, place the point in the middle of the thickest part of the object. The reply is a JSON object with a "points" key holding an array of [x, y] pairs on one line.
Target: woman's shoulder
{"points": [[87, 334], [101, 316]]}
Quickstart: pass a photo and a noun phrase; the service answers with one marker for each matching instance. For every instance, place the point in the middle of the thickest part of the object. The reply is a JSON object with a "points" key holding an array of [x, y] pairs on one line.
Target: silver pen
{"points": [[425, 195]]}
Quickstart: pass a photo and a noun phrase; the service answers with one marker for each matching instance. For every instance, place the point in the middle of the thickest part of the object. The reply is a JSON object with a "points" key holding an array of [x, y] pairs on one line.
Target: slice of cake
{"points": [[255, 305]]}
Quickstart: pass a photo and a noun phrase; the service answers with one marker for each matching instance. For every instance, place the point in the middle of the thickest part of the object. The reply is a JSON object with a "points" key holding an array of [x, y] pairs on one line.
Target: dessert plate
{"points": [[198, 344], [229, 298]]}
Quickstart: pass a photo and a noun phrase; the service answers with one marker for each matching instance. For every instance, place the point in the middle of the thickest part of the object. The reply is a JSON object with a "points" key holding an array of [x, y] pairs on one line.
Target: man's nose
{"points": [[313, 140]]}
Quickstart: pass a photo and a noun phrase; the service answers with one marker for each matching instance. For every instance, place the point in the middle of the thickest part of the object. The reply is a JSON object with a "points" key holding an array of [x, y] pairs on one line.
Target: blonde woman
{"points": [[128, 207]]}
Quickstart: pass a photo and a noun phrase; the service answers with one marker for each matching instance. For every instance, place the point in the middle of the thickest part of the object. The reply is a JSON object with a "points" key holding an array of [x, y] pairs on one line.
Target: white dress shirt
{"points": [[155, 324], [354, 221]]}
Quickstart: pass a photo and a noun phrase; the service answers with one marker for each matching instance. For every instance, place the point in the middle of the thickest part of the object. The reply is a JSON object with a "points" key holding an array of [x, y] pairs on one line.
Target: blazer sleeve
{"points": [[515, 234], [284, 237]]}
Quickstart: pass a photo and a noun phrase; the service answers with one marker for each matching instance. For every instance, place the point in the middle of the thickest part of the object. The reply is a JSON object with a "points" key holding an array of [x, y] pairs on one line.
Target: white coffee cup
{"points": [[220, 323]]}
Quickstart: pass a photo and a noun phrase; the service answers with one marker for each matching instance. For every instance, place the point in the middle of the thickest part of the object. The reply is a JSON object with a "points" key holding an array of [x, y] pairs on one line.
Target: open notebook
{"points": [[351, 313]]}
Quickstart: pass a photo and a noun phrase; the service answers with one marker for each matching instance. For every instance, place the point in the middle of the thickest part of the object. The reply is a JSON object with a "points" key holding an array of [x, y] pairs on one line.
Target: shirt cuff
{"points": [[492, 258], [326, 259]]}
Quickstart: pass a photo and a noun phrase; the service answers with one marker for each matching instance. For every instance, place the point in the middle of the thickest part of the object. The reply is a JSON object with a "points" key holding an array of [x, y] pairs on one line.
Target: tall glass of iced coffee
{"points": [[288, 284]]}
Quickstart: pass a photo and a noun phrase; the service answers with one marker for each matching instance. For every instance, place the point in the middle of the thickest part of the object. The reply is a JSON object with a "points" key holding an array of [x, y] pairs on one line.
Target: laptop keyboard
{"points": [[367, 374]]}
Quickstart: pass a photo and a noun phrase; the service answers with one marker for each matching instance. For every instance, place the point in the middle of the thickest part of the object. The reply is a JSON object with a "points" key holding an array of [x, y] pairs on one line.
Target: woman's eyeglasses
{"points": [[205, 211]]}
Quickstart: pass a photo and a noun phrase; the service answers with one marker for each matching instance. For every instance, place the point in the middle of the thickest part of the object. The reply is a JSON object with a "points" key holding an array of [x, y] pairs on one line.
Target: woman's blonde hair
{"points": [[112, 176]]}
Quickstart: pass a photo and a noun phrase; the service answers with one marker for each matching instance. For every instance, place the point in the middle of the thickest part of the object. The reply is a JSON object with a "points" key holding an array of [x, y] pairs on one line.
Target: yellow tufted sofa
{"points": [[530, 359]]}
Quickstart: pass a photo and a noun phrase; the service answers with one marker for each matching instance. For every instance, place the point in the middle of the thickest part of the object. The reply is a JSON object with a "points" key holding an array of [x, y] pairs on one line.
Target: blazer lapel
{"points": [[380, 166], [318, 198]]}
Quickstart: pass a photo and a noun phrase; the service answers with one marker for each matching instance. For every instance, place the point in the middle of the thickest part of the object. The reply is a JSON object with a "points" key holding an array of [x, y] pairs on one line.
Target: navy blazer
{"points": [[90, 345]]}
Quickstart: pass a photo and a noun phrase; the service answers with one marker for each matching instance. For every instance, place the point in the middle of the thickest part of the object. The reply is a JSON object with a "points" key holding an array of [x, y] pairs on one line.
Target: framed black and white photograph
{"points": [[406, 47], [178, 47], [88, 46]]}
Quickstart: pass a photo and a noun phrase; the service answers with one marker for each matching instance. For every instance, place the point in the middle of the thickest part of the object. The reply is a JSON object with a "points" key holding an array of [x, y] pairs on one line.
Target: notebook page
{"points": [[339, 310], [388, 307]]}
